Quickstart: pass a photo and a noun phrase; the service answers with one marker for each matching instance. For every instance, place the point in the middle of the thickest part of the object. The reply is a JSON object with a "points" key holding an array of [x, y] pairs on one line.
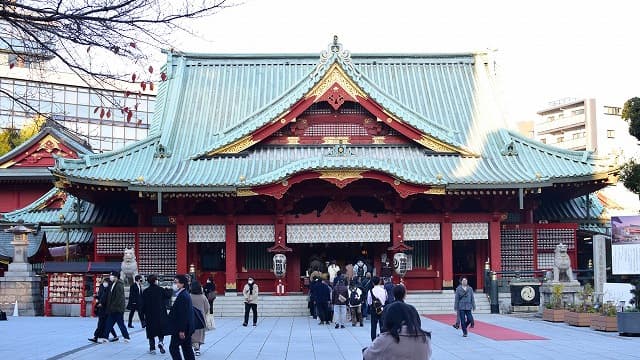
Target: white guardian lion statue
{"points": [[129, 266], [561, 264]]}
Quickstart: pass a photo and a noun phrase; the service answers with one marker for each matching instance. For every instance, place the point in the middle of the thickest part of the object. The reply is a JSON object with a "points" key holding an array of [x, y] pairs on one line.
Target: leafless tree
{"points": [[84, 35]]}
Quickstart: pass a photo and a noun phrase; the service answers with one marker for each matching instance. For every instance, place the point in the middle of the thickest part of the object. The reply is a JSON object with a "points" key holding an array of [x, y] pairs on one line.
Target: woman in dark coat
{"points": [[155, 313]]}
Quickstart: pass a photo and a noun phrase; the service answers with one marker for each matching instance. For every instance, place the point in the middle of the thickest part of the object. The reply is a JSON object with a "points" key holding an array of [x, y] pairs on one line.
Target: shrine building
{"points": [[339, 156]]}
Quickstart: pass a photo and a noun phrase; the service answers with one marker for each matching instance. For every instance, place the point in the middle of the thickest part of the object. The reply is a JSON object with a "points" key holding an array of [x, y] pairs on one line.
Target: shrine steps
{"points": [[296, 305]]}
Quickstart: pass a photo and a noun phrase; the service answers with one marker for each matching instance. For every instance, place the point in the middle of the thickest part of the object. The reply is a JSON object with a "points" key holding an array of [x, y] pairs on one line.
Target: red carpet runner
{"points": [[481, 328]]}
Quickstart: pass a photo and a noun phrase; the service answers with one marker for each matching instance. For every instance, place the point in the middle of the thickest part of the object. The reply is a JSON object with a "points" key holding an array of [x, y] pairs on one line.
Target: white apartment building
{"points": [[72, 102], [586, 124]]}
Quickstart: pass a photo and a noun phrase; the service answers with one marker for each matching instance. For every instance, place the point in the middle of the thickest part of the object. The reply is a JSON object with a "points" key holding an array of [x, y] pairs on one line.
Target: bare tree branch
{"points": [[75, 32]]}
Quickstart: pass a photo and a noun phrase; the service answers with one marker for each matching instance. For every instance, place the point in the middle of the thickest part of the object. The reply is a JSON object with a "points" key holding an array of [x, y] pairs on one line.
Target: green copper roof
{"points": [[534, 164], [89, 213], [210, 101]]}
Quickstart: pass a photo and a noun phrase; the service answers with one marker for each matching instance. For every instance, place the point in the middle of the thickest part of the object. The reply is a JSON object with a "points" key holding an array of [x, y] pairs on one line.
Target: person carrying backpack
{"points": [[376, 299], [355, 304]]}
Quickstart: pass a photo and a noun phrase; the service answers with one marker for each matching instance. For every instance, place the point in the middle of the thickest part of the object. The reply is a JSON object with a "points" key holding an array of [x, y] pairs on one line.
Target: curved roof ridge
{"points": [[48, 129], [33, 206], [341, 163], [93, 159], [578, 156]]}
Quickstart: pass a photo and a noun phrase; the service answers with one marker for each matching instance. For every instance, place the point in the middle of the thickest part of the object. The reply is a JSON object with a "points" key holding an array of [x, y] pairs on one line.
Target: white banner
{"points": [[625, 259], [617, 292]]}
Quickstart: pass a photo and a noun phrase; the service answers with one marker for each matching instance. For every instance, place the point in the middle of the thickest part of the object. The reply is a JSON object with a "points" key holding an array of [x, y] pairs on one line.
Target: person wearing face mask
{"points": [[250, 293], [464, 303], [115, 308], [101, 312], [181, 320]]}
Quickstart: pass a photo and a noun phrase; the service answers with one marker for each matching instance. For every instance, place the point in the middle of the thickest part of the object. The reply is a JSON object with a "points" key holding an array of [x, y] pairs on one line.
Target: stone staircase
{"points": [[296, 305]]}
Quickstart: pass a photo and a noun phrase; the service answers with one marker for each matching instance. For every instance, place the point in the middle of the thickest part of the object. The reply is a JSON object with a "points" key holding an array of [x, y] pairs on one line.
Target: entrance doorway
{"points": [[464, 262], [342, 253]]}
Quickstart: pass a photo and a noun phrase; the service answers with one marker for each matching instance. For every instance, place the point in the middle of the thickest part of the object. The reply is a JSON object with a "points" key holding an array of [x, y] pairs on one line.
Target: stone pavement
{"points": [[303, 338]]}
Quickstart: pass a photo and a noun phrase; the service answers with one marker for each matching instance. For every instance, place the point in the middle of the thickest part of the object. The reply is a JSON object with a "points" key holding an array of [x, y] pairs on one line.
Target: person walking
{"points": [[250, 292], [181, 321], [323, 298], [339, 299], [101, 312], [115, 308], [399, 292], [388, 287], [365, 286], [376, 299], [464, 303], [210, 293], [135, 294], [355, 303], [404, 338], [155, 314], [333, 269], [201, 303]]}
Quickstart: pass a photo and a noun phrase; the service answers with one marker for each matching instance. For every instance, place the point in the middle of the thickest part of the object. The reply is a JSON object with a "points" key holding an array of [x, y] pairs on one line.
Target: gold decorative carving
{"points": [[61, 183], [436, 191], [7, 164], [341, 174], [335, 140], [48, 144], [447, 283], [334, 75], [379, 139], [293, 140], [234, 147], [230, 286], [245, 192]]}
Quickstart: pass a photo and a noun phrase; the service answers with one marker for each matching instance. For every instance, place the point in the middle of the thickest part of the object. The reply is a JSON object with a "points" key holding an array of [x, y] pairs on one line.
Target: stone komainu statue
{"points": [[562, 264], [129, 266]]}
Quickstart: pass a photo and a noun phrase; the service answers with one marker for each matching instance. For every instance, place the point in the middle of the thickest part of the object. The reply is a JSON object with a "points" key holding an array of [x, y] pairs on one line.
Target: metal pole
{"points": [[487, 276], [67, 249], [495, 308]]}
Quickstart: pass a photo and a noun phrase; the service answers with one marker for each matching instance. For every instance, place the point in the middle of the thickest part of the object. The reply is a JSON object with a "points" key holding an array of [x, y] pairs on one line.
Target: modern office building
{"points": [[29, 86]]}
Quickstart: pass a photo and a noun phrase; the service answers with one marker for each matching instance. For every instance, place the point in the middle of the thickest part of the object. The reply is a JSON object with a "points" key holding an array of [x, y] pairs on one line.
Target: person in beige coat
{"points": [[250, 293], [201, 303]]}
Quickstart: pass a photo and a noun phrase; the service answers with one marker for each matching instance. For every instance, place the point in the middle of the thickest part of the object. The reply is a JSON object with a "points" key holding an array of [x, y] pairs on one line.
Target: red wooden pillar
{"points": [[495, 256], [182, 244], [447, 253], [231, 268]]}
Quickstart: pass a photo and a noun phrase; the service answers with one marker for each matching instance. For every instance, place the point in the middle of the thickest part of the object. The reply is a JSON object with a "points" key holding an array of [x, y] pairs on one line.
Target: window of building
{"points": [[560, 116], [544, 141], [551, 118], [578, 112], [560, 139], [575, 136], [420, 254], [611, 134], [612, 110]]}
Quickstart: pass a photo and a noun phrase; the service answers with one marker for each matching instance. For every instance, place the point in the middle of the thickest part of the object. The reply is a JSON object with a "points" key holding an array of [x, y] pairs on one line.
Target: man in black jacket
{"points": [[155, 313], [134, 303], [182, 322]]}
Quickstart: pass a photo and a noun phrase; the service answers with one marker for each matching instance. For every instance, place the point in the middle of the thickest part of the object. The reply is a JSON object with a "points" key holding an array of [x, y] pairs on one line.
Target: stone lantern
{"points": [[20, 244], [19, 284]]}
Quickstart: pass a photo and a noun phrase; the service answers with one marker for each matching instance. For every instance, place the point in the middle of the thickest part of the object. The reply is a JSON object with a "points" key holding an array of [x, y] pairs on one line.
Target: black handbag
{"points": [[198, 319]]}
